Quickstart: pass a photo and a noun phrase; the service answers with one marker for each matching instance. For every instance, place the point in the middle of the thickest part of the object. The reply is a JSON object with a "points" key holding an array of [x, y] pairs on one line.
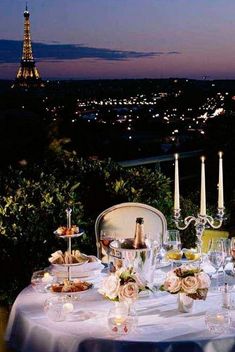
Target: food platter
{"points": [[69, 236]]}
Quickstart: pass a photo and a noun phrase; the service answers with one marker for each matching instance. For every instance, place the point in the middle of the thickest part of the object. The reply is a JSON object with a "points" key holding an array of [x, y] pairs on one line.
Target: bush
{"points": [[33, 201]]}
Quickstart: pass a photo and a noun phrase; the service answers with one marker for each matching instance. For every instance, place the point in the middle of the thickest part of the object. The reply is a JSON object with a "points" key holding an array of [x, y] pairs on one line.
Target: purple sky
{"points": [[122, 38]]}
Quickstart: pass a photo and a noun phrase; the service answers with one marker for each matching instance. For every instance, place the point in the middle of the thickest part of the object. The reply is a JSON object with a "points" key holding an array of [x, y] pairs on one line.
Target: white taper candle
{"points": [[221, 186], [177, 192], [203, 188]]}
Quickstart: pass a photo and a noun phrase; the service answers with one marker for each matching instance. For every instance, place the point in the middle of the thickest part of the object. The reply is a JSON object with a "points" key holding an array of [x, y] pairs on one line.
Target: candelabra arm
{"points": [[185, 222], [214, 223]]}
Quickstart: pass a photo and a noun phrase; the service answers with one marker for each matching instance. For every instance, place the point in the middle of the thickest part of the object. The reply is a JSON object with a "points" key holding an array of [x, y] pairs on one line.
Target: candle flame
{"points": [[176, 156], [203, 159], [220, 154]]}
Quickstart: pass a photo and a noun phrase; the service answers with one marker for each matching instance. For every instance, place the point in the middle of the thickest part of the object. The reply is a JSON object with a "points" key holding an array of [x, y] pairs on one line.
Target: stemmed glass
{"points": [[106, 239], [172, 241], [216, 257], [232, 247], [227, 252]]}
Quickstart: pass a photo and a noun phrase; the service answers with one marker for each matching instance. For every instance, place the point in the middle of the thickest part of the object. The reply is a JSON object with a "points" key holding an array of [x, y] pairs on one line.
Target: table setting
{"points": [[150, 295]]}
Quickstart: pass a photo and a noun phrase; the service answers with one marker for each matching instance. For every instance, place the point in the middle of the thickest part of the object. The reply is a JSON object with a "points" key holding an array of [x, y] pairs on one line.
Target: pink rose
{"points": [[128, 291], [190, 284], [203, 280], [172, 283]]}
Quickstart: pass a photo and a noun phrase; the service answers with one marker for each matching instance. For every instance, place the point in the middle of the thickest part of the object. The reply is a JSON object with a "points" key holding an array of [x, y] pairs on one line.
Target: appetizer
{"points": [[71, 286]]}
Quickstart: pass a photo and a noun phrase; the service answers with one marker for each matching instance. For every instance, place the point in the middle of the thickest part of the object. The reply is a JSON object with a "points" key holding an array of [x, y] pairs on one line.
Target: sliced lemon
{"points": [[175, 255]]}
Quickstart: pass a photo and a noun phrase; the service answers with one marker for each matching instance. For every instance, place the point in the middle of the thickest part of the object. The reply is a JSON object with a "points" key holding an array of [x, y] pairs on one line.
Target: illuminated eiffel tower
{"points": [[27, 75]]}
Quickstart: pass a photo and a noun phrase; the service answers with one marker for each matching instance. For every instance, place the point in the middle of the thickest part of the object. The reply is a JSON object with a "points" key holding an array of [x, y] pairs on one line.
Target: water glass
{"points": [[218, 321]]}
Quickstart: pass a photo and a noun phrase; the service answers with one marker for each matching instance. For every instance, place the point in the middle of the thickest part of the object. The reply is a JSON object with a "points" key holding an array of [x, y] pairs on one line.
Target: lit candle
{"points": [[221, 187], [119, 320], [219, 319], [177, 192], [203, 188], [47, 278], [67, 308]]}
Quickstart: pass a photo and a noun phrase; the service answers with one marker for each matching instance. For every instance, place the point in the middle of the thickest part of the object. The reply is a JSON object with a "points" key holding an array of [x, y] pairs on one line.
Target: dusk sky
{"points": [[89, 39]]}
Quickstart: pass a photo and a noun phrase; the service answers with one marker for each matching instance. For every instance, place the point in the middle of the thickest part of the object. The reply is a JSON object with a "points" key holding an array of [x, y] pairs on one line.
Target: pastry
{"points": [[67, 231], [56, 258], [66, 258], [71, 286]]}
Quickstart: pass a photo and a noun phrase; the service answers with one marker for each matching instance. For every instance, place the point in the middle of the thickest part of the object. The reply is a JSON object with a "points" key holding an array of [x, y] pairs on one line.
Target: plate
{"points": [[184, 260], [48, 290], [70, 265], [163, 264], [69, 236]]}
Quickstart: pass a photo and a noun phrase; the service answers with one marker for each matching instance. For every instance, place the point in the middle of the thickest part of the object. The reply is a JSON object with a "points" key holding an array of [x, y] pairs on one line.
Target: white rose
{"points": [[203, 280], [128, 291], [172, 284], [190, 284], [110, 287]]}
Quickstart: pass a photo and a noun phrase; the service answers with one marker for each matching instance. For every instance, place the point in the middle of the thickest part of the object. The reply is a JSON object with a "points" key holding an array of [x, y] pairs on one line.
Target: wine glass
{"points": [[216, 257], [106, 238], [172, 241], [227, 252], [232, 247]]}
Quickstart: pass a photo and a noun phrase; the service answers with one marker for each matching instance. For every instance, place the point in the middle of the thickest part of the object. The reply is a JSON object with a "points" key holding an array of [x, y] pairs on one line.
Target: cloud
{"points": [[173, 52], [10, 51]]}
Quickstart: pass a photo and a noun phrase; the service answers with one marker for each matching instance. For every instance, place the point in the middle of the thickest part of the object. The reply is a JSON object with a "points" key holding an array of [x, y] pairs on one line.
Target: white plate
{"points": [[83, 276], [69, 236]]}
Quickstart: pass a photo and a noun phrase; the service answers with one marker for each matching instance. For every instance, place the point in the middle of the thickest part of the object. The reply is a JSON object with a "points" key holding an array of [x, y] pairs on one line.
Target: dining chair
{"points": [[208, 235], [118, 222]]}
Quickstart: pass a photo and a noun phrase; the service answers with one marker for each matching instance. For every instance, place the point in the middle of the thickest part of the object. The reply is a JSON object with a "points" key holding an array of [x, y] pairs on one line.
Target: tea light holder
{"points": [[218, 321], [120, 320], [58, 308], [42, 278]]}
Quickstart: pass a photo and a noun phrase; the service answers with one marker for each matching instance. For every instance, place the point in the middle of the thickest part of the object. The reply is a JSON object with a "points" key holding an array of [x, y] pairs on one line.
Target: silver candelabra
{"points": [[200, 223]]}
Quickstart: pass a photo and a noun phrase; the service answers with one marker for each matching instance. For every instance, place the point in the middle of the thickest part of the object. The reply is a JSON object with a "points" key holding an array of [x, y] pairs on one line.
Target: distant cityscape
{"points": [[124, 120]]}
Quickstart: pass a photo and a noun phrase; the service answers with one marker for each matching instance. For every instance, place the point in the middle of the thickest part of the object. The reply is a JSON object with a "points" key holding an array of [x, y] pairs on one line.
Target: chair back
{"points": [[208, 235], [118, 222]]}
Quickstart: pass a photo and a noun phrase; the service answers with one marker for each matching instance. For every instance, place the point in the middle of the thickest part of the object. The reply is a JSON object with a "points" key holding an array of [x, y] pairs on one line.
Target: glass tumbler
{"points": [[218, 321]]}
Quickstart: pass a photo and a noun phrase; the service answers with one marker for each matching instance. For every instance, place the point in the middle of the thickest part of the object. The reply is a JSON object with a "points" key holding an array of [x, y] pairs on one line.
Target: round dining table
{"points": [[161, 327]]}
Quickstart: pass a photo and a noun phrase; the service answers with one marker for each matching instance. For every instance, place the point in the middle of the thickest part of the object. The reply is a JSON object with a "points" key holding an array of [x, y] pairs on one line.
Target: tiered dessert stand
{"points": [[69, 240]]}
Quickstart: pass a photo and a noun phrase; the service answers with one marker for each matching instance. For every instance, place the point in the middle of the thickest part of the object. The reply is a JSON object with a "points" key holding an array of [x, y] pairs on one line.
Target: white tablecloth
{"points": [[161, 328]]}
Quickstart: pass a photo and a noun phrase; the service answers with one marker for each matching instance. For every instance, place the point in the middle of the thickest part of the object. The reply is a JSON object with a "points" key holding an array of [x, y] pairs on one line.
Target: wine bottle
{"points": [[139, 241]]}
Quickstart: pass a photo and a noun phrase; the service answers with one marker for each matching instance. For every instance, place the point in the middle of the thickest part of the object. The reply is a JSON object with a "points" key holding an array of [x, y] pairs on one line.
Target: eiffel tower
{"points": [[27, 75]]}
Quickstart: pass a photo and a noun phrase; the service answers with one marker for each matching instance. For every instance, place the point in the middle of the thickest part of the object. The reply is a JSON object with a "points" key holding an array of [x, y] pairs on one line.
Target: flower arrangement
{"points": [[123, 285], [194, 282]]}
